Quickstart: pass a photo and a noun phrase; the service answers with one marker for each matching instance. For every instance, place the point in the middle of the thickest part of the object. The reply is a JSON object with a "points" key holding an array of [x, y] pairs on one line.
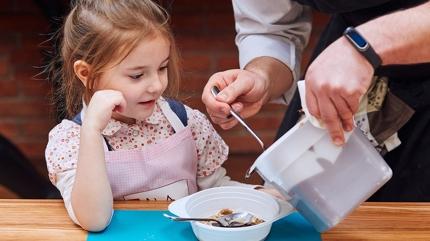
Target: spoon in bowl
{"points": [[234, 220]]}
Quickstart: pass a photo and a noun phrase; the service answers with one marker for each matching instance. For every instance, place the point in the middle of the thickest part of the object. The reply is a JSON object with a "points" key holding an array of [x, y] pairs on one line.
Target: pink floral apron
{"points": [[165, 171]]}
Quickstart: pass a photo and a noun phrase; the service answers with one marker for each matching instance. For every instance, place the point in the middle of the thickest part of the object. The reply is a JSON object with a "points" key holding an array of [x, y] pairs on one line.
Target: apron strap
{"points": [[175, 113], [179, 110], [78, 120]]}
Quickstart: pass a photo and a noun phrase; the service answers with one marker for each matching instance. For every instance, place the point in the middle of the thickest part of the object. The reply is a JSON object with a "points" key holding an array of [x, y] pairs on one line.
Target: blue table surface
{"points": [[144, 225]]}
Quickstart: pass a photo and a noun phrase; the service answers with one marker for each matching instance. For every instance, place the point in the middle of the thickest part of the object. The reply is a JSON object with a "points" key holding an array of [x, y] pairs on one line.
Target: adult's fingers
{"points": [[237, 107], [344, 112], [213, 106], [220, 120], [312, 103], [241, 85], [229, 125], [225, 123], [331, 120], [352, 100]]}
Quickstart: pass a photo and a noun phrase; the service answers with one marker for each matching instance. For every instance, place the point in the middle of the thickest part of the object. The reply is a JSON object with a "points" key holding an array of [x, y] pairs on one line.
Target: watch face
{"points": [[358, 40]]}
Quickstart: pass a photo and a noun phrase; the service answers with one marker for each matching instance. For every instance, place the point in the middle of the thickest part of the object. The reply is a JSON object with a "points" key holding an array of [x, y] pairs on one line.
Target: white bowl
{"points": [[208, 202]]}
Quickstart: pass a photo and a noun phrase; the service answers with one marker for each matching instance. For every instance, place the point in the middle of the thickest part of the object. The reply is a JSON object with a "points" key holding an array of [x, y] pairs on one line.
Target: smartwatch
{"points": [[363, 47]]}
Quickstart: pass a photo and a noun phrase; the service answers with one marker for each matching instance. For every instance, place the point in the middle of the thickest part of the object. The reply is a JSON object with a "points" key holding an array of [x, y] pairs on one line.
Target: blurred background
{"points": [[204, 32]]}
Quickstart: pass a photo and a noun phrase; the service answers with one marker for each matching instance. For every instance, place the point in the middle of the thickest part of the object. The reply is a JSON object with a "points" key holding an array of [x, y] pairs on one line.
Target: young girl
{"points": [[126, 141]]}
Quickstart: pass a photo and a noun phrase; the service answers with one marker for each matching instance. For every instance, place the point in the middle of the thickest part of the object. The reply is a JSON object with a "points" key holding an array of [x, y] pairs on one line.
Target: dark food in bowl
{"points": [[227, 211]]}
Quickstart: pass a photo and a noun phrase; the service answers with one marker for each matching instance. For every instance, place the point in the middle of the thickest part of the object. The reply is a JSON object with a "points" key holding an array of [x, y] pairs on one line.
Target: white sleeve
{"points": [[64, 184], [276, 28], [219, 178]]}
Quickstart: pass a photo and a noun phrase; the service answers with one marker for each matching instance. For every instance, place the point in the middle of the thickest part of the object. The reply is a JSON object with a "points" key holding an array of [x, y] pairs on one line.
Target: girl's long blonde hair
{"points": [[103, 33]]}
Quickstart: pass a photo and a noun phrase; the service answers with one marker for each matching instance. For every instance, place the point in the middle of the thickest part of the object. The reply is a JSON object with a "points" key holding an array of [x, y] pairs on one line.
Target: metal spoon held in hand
{"points": [[215, 91], [233, 220]]}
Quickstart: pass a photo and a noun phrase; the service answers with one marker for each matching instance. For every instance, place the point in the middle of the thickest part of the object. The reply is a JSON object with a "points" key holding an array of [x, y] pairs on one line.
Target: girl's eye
{"points": [[163, 68], [136, 76]]}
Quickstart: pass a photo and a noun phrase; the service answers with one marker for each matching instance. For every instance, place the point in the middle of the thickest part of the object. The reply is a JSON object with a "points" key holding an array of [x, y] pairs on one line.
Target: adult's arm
{"points": [[402, 37], [339, 76], [271, 37]]}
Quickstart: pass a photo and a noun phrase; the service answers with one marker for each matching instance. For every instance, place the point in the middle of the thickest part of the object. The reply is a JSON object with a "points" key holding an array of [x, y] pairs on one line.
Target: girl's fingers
{"points": [[118, 101]]}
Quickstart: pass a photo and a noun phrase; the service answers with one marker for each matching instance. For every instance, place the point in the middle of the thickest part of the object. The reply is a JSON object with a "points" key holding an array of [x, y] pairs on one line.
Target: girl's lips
{"points": [[150, 102]]}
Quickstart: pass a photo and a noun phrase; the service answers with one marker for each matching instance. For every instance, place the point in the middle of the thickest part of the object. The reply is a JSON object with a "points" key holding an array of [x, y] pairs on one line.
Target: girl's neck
{"points": [[124, 119]]}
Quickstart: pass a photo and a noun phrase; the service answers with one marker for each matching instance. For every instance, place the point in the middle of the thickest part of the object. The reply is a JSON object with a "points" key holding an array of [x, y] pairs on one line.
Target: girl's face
{"points": [[141, 77]]}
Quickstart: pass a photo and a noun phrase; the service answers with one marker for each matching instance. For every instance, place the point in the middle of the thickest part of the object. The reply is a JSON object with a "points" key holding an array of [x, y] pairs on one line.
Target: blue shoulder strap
{"points": [[77, 119], [179, 110]]}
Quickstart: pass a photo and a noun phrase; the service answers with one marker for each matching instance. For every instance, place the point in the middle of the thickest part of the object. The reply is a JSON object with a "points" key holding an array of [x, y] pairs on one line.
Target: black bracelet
{"points": [[362, 46]]}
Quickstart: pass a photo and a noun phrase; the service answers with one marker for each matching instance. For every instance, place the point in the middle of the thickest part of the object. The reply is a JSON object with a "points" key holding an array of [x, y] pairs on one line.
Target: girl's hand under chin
{"points": [[100, 109]]}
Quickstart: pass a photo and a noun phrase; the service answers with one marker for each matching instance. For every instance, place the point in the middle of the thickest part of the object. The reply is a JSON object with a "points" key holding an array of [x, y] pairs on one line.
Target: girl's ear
{"points": [[82, 70]]}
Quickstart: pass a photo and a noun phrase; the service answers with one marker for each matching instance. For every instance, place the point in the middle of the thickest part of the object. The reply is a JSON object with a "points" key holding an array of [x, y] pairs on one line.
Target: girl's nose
{"points": [[156, 84]]}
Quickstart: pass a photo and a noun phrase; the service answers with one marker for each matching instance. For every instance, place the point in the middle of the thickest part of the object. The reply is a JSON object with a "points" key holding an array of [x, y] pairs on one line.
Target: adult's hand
{"points": [[335, 82], [244, 90]]}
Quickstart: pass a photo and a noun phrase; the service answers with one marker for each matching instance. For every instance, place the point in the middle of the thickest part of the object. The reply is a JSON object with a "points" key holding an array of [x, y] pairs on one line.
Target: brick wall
{"points": [[205, 35], [24, 107]]}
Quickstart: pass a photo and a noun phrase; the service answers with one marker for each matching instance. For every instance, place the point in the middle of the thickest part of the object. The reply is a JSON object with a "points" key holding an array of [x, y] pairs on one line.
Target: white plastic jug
{"points": [[325, 182]]}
